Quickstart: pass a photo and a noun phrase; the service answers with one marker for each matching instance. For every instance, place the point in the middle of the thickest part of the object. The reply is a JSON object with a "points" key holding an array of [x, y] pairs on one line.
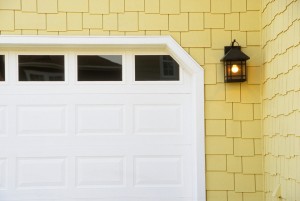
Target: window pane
{"points": [[41, 68], [99, 68], [156, 68], [2, 68]]}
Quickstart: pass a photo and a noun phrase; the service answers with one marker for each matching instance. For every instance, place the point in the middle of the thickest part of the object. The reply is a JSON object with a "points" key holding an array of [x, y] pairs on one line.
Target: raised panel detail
{"points": [[158, 171], [100, 119], [3, 173], [157, 119], [38, 173], [2, 120], [41, 120], [100, 171]]}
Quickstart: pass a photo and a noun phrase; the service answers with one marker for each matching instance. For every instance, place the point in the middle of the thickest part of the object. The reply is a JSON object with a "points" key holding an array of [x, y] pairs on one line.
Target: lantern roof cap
{"points": [[235, 54]]}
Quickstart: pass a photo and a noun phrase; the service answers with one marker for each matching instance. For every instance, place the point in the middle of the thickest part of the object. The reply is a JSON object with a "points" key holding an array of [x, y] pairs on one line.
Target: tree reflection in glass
{"points": [[41, 68]]}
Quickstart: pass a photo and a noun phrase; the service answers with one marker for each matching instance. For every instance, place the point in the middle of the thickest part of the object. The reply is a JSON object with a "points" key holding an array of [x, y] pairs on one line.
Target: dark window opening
{"points": [[2, 68], [99, 68], [156, 68], [41, 68]]}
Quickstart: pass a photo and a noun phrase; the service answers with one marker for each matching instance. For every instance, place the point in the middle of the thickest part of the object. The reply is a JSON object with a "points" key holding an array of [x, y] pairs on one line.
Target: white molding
{"points": [[82, 40], [143, 42]]}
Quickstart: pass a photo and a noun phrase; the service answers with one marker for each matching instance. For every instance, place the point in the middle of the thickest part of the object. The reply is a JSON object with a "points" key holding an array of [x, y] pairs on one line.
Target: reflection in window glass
{"points": [[2, 68], [41, 68], [99, 67], [156, 68]]}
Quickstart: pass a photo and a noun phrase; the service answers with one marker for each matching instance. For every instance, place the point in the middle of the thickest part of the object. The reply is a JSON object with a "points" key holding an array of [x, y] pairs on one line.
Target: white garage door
{"points": [[67, 134]]}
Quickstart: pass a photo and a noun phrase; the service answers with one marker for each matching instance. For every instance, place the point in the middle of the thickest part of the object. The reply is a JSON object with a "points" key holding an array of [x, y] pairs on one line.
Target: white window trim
{"points": [[165, 42]]}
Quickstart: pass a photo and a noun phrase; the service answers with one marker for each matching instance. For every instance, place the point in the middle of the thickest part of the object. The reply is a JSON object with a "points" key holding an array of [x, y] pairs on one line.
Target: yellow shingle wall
{"points": [[202, 28], [281, 97]]}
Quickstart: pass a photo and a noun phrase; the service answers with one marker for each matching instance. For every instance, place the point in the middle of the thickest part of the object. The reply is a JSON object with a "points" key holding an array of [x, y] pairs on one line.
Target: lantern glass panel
{"points": [[235, 71]]}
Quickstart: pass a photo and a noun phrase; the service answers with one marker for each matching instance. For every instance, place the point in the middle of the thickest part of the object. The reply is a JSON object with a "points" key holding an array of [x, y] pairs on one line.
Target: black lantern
{"points": [[235, 69]]}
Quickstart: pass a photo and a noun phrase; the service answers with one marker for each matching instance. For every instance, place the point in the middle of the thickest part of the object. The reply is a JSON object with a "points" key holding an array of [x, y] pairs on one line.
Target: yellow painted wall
{"points": [[281, 97], [202, 28]]}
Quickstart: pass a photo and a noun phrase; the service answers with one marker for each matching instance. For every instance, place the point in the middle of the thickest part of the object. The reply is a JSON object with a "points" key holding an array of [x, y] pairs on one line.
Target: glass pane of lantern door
{"points": [[235, 71]]}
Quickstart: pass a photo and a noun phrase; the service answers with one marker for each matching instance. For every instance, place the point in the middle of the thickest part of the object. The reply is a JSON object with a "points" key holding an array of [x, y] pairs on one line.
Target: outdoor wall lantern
{"points": [[235, 69]]}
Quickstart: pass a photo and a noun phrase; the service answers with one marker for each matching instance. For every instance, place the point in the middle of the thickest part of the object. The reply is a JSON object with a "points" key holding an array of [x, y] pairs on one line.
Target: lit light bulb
{"points": [[234, 68]]}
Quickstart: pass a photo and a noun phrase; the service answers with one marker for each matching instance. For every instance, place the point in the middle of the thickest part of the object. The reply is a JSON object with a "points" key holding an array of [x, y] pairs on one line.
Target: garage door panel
{"points": [[109, 194], [96, 99], [3, 173], [98, 175], [132, 194], [126, 99], [42, 172], [130, 140], [3, 121], [62, 141], [41, 120], [101, 122], [157, 171], [100, 119], [157, 119], [100, 171], [104, 150]]}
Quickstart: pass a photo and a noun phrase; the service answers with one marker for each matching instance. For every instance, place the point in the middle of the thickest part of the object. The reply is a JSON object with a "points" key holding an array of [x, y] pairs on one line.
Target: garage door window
{"points": [[2, 68], [99, 67], [156, 68], [41, 68]]}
